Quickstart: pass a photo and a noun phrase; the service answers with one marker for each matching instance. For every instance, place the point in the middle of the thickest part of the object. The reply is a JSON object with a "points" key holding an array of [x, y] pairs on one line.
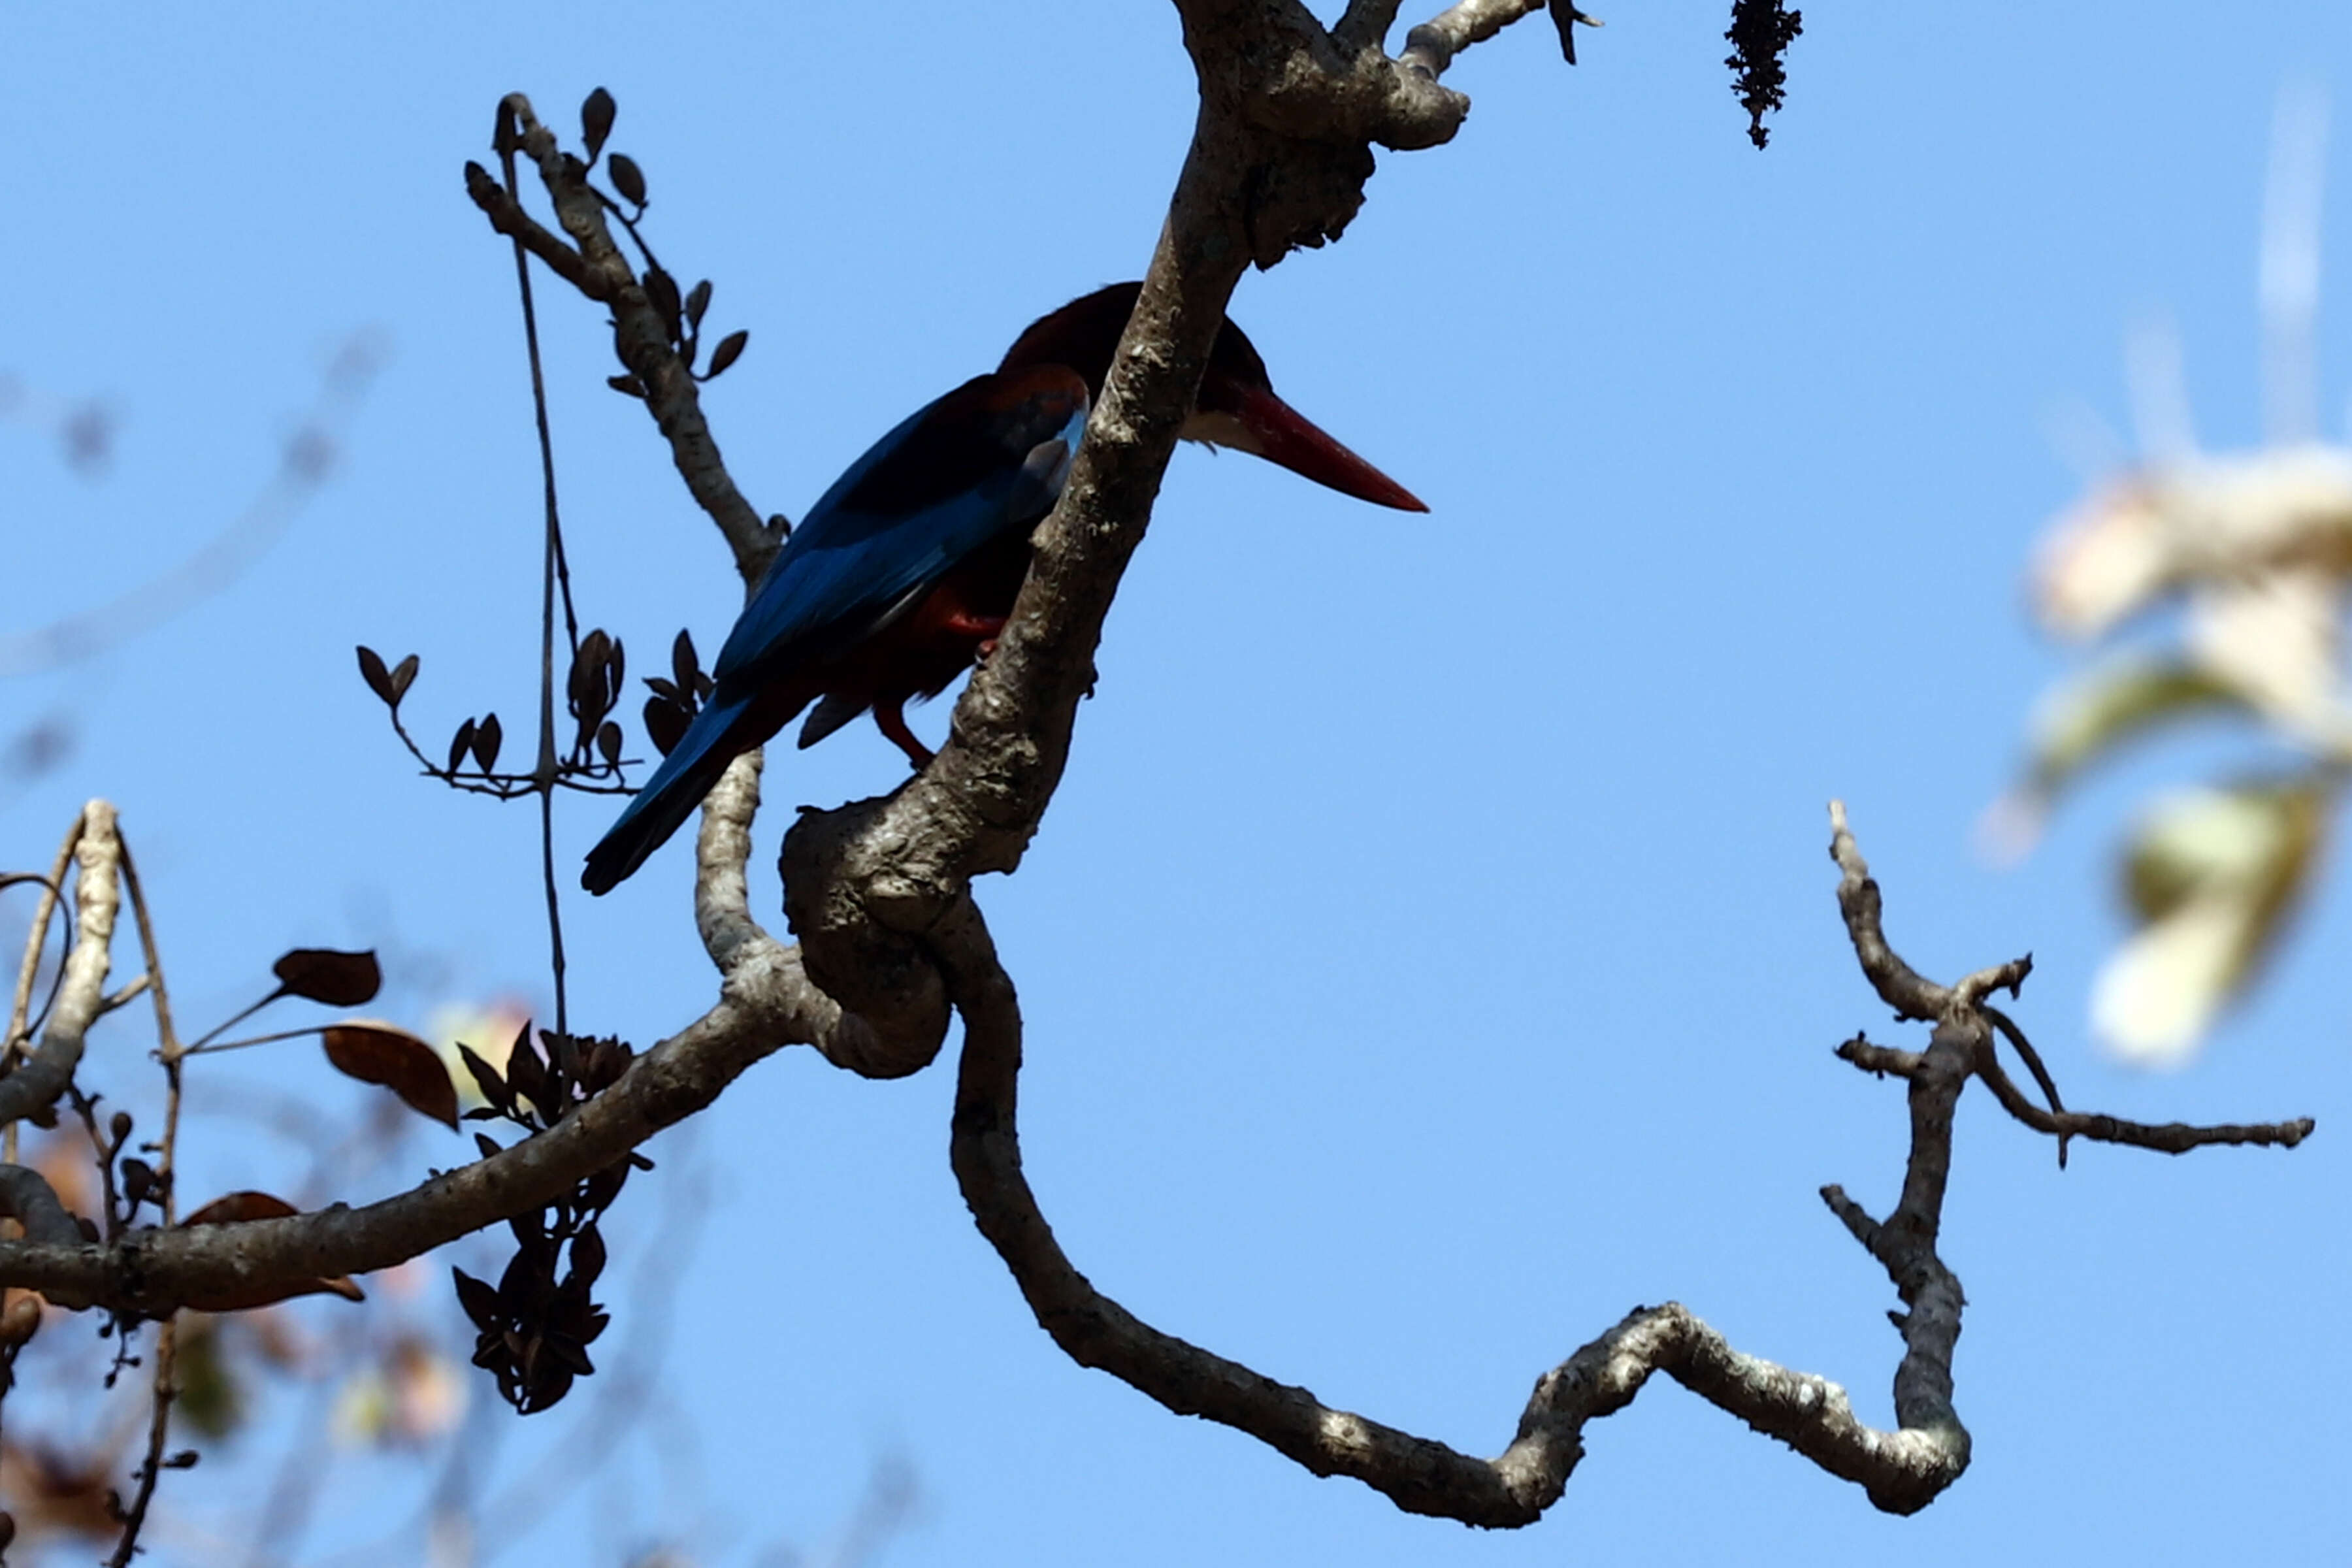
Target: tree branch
{"points": [[26, 1198], [1902, 1471], [598, 269], [1902, 987], [766, 1002], [40, 1079]]}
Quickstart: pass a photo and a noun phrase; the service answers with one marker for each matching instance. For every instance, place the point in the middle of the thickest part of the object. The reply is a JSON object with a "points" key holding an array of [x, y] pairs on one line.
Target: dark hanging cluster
{"points": [[533, 1327], [1761, 32]]}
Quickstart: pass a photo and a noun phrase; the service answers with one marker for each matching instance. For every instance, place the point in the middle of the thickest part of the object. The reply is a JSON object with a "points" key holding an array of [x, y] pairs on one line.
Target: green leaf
{"points": [[2087, 719], [2210, 878]]}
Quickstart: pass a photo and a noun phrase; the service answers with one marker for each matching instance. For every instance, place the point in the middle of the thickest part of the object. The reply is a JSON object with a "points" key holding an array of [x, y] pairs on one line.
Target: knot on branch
{"points": [[859, 902], [1295, 112]]}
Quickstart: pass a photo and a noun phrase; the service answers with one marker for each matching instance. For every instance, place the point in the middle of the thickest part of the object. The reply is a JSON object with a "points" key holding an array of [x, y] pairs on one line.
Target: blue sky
{"points": [[1431, 954]]}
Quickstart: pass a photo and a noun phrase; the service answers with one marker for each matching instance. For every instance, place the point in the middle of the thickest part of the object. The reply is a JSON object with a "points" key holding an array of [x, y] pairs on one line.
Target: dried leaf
{"points": [[137, 1181], [627, 385], [325, 975], [395, 1059], [730, 350], [584, 684], [698, 300], [683, 665], [587, 1255], [486, 1078], [608, 743], [527, 1076], [479, 1299], [661, 292], [231, 1207], [487, 736], [459, 744], [404, 676], [665, 724], [597, 121], [627, 178], [379, 679]]}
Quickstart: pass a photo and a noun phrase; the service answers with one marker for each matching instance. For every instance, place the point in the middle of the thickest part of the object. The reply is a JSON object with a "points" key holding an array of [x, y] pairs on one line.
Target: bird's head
{"points": [[1236, 406]]}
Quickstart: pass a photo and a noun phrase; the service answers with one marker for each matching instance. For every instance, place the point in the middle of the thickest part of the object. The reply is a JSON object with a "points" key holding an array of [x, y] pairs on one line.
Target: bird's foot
{"points": [[964, 624], [891, 719]]}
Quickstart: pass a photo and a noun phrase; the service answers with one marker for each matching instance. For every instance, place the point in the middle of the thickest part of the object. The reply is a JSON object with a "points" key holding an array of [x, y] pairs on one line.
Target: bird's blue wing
{"points": [[990, 456], [953, 475]]}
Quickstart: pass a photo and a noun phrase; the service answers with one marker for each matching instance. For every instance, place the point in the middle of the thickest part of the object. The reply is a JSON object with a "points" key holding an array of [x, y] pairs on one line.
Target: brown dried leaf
{"points": [[378, 677], [627, 178], [584, 685], [384, 1055], [730, 350], [597, 121], [403, 674], [232, 1208], [487, 736], [665, 724], [325, 975]]}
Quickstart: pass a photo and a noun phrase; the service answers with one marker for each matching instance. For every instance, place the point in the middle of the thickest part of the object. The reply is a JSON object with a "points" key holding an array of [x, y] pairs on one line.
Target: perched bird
{"points": [[904, 572]]}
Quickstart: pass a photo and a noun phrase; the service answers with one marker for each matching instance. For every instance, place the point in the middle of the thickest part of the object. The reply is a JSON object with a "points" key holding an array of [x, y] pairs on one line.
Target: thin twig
{"points": [[36, 938], [105, 1149], [598, 269], [547, 771], [1902, 987], [167, 1338], [2165, 1137], [2033, 1060]]}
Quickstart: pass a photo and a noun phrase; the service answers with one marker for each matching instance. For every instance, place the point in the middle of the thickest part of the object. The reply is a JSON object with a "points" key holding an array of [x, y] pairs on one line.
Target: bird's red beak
{"points": [[1272, 429]]}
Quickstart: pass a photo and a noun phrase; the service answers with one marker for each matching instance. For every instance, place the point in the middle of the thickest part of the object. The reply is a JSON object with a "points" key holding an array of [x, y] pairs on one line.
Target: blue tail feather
{"points": [[667, 799]]}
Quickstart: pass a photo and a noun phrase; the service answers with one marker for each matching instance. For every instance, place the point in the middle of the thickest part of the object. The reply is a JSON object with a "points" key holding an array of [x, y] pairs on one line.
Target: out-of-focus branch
{"points": [[28, 971], [40, 1079], [26, 1198], [304, 464]]}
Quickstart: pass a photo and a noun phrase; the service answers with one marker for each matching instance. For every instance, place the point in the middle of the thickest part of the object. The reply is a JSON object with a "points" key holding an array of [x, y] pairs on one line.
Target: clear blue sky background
{"points": [[1431, 954]]}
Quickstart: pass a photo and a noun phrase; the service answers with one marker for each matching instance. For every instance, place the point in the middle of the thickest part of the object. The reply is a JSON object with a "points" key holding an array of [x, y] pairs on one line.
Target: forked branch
{"points": [[1901, 1471]]}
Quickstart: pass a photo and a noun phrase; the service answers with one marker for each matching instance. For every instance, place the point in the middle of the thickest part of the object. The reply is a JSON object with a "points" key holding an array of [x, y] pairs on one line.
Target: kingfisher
{"points": [[903, 574]]}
